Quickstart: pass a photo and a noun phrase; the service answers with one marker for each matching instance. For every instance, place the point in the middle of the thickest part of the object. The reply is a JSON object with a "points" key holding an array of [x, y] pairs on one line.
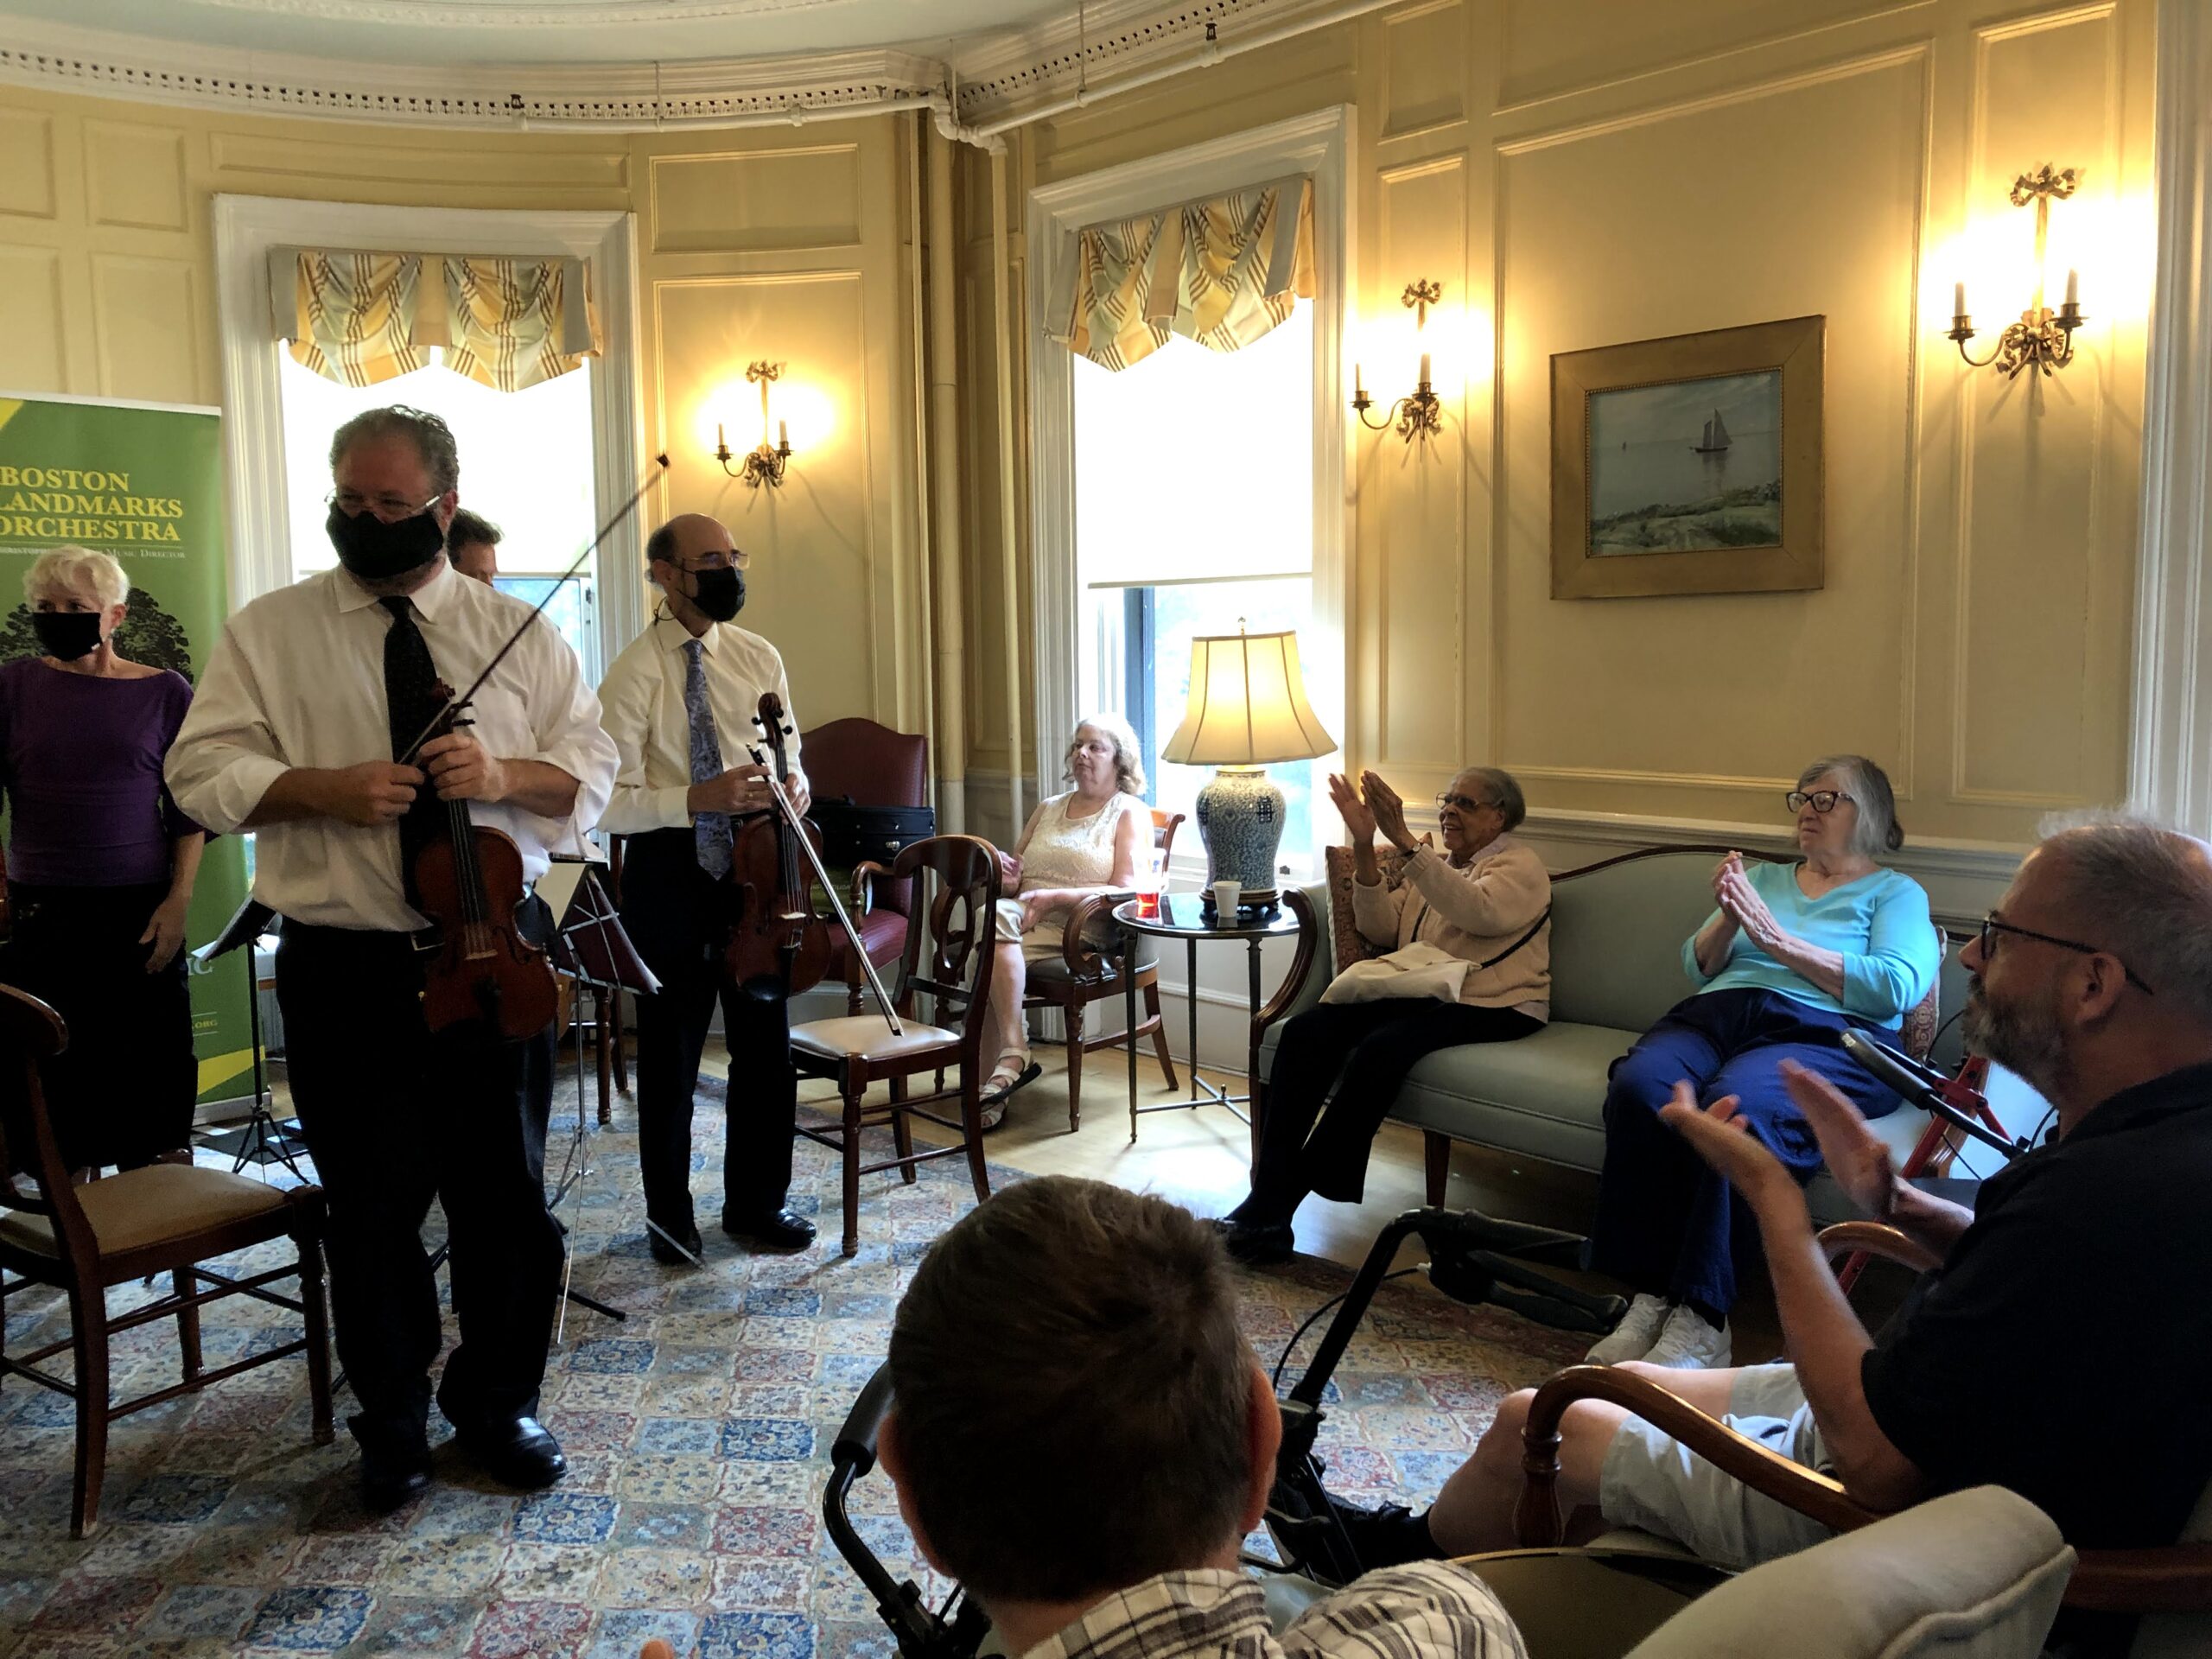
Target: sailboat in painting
{"points": [[1715, 442]]}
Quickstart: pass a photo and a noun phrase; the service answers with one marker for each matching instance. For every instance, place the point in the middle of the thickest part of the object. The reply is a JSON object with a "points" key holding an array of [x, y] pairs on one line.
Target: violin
{"points": [[777, 935], [470, 884]]}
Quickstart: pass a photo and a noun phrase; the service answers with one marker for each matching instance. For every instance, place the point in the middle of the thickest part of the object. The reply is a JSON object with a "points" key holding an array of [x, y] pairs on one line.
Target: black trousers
{"points": [[1364, 1049], [396, 1116], [123, 1091], [678, 917]]}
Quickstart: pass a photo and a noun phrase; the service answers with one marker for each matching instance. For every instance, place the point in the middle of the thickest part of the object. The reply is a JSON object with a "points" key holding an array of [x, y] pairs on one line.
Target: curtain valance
{"points": [[1222, 272], [358, 318]]}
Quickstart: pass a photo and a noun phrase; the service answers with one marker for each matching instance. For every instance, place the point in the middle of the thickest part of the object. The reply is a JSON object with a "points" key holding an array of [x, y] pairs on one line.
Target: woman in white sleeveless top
{"points": [[1093, 839]]}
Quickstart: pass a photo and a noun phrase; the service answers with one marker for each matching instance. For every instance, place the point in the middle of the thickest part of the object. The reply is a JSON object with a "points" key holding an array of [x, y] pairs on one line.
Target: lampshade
{"points": [[1247, 705]]}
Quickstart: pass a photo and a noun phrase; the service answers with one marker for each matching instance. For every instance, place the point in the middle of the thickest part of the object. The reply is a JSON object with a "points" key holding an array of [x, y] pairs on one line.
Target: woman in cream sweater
{"points": [[1486, 900]]}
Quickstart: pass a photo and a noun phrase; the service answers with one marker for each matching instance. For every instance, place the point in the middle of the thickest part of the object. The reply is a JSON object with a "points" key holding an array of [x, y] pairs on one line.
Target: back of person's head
{"points": [[468, 527], [2143, 892], [1071, 1394]]}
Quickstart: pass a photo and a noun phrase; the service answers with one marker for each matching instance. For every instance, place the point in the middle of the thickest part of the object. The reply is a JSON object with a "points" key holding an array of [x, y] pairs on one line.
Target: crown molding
{"points": [[518, 14], [609, 98]]}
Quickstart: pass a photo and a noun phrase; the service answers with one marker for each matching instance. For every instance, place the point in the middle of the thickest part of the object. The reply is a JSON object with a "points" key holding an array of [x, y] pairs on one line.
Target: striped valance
{"points": [[358, 318], [1222, 272]]}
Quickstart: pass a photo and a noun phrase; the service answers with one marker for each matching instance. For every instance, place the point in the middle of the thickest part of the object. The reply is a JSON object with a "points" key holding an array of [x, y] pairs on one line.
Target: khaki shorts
{"points": [[1650, 1480]]}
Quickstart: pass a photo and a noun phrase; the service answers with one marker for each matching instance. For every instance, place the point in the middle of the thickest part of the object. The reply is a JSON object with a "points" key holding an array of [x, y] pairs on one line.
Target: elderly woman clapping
{"points": [[1794, 956], [1091, 840], [100, 865], [1480, 913]]}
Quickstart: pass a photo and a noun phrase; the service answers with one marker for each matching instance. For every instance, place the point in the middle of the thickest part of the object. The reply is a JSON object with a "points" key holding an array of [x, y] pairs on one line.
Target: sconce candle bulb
{"points": [[767, 463]]}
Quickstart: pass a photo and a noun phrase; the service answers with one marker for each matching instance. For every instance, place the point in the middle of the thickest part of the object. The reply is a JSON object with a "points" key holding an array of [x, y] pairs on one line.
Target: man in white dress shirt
{"points": [[311, 695], [680, 702]]}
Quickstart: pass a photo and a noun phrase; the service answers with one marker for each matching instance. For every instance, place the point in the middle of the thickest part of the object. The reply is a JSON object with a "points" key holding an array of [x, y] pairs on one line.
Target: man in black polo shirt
{"points": [[2060, 1350]]}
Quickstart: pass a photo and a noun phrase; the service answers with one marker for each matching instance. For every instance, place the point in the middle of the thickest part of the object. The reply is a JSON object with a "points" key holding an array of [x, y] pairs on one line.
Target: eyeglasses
{"points": [[736, 559], [390, 509], [1991, 927], [1462, 802], [1823, 800]]}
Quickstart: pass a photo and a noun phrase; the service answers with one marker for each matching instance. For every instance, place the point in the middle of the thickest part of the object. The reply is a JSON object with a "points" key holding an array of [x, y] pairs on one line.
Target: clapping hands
{"points": [[1740, 901]]}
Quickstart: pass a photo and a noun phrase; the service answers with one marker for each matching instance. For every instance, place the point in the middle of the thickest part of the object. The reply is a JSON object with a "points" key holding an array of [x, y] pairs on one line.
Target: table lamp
{"points": [[1247, 710]]}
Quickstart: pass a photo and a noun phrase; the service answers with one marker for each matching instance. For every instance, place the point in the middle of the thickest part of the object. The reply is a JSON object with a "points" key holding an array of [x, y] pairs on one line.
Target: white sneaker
{"points": [[1689, 1344], [1633, 1337]]}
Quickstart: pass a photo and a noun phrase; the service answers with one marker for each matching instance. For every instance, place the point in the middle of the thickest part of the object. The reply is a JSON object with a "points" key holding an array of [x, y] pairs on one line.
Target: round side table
{"points": [[1187, 916]]}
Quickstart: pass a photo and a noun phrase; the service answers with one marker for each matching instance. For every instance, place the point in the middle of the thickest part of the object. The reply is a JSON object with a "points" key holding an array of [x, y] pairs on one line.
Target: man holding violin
{"points": [[307, 704], [680, 704]]}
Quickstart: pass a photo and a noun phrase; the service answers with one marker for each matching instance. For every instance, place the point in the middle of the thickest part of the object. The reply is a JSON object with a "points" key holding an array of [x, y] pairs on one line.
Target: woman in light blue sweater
{"points": [[1796, 955]]}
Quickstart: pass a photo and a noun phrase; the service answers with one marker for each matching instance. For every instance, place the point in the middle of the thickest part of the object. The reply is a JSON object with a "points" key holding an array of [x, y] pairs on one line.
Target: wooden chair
{"points": [[869, 764], [860, 1049], [164, 1218], [2173, 1580], [1085, 974]]}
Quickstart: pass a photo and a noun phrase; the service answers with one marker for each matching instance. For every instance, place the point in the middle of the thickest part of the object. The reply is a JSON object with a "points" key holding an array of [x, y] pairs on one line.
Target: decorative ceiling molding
{"points": [[536, 13], [999, 77]]}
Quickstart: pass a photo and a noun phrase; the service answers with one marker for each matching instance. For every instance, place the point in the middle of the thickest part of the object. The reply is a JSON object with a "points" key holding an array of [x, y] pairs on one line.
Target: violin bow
{"points": [[453, 707], [828, 887]]}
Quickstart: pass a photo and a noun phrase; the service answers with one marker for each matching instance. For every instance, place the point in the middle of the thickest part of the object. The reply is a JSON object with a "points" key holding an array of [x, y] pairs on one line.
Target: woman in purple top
{"points": [[100, 867]]}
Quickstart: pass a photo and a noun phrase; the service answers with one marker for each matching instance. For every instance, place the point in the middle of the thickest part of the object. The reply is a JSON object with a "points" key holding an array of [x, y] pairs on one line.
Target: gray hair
{"points": [[1503, 789], [69, 569], [2143, 891], [1128, 753], [432, 438], [1868, 786]]}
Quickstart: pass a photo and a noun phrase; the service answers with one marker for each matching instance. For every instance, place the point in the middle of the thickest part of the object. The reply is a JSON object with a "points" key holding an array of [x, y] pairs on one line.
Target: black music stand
{"points": [[590, 946], [262, 1139]]}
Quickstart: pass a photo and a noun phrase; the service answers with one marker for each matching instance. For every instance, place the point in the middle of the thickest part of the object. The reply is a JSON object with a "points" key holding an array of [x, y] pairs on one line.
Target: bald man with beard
{"points": [[679, 704]]}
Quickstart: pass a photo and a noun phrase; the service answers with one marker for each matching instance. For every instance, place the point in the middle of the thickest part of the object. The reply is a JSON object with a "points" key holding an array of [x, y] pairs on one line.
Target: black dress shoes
{"points": [[521, 1453], [779, 1229], [1257, 1245], [390, 1478], [667, 1255]]}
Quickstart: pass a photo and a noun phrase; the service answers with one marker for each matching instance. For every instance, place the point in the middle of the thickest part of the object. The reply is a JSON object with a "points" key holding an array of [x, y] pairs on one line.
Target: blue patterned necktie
{"points": [[709, 830]]}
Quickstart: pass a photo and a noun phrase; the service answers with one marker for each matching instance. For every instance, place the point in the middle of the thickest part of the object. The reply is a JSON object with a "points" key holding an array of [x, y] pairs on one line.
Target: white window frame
{"points": [[248, 227], [1320, 144]]}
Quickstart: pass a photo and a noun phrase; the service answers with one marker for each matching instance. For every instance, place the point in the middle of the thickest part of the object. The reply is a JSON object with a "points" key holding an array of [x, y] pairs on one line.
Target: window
{"points": [[1194, 515], [526, 464]]}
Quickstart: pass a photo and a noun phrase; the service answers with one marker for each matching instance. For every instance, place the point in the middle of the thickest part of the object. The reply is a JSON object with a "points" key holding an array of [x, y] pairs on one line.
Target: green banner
{"points": [[144, 481]]}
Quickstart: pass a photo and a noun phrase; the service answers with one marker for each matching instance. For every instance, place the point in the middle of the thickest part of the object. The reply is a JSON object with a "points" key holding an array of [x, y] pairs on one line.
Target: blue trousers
{"points": [[1667, 1225]]}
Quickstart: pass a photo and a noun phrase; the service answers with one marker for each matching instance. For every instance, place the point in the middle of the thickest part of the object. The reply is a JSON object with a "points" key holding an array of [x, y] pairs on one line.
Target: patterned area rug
{"points": [[697, 1434]]}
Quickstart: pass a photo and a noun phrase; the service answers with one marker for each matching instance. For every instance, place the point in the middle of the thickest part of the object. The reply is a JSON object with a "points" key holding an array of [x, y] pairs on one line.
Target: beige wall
{"points": [[762, 244], [1587, 174]]}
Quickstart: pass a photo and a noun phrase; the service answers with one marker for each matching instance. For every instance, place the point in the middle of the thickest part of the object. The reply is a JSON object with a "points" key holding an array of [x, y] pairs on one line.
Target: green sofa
{"points": [[1617, 929]]}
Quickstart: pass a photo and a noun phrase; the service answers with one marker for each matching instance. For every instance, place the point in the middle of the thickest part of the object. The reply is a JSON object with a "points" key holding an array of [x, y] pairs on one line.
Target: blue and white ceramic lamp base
{"points": [[1241, 821]]}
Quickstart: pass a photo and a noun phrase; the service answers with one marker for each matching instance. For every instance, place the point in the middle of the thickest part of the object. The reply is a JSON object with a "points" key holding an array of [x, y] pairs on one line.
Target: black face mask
{"points": [[720, 594], [376, 551], [66, 634]]}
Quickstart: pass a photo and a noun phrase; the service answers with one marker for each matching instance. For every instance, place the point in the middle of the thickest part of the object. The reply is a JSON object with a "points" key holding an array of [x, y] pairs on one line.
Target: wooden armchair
{"points": [[164, 1218], [869, 764], [860, 1049], [2174, 1580], [1085, 974]]}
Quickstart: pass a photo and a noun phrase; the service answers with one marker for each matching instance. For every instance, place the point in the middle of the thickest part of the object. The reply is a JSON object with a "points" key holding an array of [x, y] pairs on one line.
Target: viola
{"points": [[470, 885], [777, 935]]}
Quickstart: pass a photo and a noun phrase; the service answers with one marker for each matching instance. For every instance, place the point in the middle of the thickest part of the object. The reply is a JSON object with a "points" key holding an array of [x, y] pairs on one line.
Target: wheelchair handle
{"points": [[854, 1447]]}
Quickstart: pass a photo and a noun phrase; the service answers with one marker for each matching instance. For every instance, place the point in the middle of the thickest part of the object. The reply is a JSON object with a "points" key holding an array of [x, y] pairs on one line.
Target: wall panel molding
{"points": [[34, 355], [26, 182], [801, 199], [134, 176]]}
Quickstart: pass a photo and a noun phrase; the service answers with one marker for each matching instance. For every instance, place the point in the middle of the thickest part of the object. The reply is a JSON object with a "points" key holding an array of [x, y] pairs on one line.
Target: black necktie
{"points": [[411, 689]]}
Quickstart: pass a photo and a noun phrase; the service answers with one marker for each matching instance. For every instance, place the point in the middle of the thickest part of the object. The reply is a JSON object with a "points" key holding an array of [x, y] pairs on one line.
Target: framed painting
{"points": [[1689, 465]]}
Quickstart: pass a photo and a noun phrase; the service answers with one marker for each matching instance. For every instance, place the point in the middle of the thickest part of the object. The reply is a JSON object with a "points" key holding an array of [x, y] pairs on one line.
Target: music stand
{"points": [[262, 1139], [590, 946]]}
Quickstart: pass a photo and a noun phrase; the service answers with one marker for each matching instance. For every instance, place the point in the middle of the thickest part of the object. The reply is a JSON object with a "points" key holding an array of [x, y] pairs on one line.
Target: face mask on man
{"points": [[66, 635], [720, 594], [376, 551]]}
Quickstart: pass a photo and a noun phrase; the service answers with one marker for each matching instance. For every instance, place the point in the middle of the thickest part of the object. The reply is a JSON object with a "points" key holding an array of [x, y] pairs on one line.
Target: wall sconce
{"points": [[767, 463], [1420, 412], [2042, 338]]}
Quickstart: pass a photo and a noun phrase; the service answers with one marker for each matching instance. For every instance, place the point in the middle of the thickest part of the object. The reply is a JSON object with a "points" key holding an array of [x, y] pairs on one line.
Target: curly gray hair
{"points": [[1868, 786]]}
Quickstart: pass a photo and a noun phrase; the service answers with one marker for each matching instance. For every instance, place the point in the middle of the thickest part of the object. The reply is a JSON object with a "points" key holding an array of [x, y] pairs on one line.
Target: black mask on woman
{"points": [[376, 551], [720, 594], [66, 635]]}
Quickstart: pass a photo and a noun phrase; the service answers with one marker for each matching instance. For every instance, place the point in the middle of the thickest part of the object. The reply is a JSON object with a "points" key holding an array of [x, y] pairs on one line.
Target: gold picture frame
{"points": [[1690, 465]]}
